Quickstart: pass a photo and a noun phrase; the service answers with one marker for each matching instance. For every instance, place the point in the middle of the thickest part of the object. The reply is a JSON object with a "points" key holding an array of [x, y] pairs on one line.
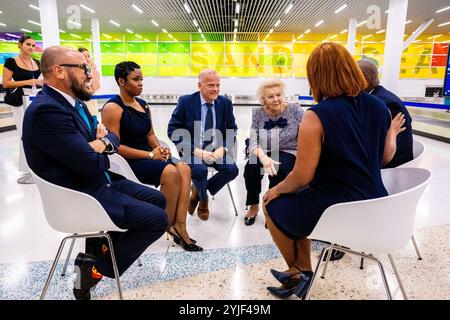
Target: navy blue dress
{"points": [[349, 167], [134, 128]]}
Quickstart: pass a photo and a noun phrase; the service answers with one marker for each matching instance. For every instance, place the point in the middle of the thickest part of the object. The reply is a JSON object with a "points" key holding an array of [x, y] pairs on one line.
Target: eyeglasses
{"points": [[86, 68]]}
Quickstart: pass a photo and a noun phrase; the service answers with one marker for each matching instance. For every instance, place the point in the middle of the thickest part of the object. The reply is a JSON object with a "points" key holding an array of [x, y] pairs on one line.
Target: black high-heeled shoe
{"points": [[286, 290], [283, 277], [302, 288], [180, 241]]}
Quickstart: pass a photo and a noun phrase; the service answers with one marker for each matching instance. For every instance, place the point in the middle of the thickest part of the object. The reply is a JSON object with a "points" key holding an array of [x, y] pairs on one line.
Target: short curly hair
{"points": [[269, 83], [123, 69]]}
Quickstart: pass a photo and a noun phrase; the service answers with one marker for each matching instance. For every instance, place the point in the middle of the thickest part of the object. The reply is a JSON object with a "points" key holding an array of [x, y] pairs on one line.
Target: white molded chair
{"points": [[418, 152], [377, 226], [77, 214]]}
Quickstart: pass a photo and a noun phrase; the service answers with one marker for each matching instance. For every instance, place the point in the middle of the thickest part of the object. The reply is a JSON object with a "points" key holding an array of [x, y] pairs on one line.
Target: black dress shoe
{"points": [[180, 241], [335, 255], [84, 280], [249, 220], [283, 277]]}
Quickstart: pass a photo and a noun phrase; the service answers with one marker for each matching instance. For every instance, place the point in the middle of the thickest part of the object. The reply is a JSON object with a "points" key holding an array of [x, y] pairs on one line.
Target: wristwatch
{"points": [[150, 155], [105, 142]]}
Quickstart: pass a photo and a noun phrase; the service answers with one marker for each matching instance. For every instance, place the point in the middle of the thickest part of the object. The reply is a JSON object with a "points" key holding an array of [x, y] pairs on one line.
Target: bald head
{"points": [[370, 71], [58, 55]]}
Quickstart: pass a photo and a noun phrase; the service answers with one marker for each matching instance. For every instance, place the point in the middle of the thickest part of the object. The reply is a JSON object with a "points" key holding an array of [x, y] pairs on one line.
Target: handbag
{"points": [[14, 97]]}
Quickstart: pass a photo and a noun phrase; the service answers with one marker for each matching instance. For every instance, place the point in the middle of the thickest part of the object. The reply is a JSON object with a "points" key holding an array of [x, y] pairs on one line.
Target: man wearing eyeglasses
{"points": [[64, 145]]}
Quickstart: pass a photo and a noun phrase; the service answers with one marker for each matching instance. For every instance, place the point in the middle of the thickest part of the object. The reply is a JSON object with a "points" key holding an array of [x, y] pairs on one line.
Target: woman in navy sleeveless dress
{"points": [[129, 117], [345, 139]]}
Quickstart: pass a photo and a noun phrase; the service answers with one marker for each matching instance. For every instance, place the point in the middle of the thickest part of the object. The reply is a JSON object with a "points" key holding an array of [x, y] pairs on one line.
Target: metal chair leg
{"points": [[69, 253], [383, 275], [397, 275], [313, 280], [232, 200], [419, 256], [53, 268], [330, 251], [116, 270], [361, 266]]}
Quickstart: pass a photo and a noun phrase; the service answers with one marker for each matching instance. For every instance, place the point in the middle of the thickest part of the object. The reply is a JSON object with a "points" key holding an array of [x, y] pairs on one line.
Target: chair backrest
{"points": [[70, 211], [418, 152], [119, 165], [381, 225]]}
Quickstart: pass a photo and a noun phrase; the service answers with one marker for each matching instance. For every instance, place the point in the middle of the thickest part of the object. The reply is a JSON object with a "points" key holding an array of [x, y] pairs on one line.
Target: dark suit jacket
{"points": [[187, 115], [55, 140], [404, 151]]}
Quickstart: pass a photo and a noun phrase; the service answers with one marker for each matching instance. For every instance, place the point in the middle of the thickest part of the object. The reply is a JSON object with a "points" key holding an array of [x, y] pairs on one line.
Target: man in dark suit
{"points": [[404, 151], [65, 145], [204, 129]]}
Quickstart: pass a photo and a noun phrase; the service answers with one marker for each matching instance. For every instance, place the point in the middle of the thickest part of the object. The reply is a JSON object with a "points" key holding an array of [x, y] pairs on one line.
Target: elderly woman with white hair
{"points": [[273, 142]]}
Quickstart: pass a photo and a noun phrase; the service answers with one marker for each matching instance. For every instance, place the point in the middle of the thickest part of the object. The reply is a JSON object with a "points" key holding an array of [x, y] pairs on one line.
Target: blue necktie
{"points": [[209, 123], [80, 110]]}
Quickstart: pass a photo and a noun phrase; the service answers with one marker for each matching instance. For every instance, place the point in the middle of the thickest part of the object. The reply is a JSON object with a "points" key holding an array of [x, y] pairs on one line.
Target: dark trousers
{"points": [[254, 172], [225, 173], [145, 221]]}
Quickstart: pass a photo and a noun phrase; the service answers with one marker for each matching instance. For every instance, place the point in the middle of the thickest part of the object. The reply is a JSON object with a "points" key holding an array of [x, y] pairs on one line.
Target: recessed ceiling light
{"points": [[24, 30], [333, 36], [443, 9], [340, 8], [106, 35], [138, 36], [318, 23], [170, 36], [34, 7], [271, 30], [164, 30], [301, 36], [75, 36], [409, 21], [34, 22], [114, 23], [236, 22], [195, 22], [444, 24], [361, 23], [344, 31], [12, 35], [381, 31], [307, 31], [238, 8], [2, 24], [87, 8], [199, 30], [368, 36], [74, 23], [135, 7], [289, 8], [62, 31], [277, 23], [235, 30], [187, 8], [156, 24], [129, 31]]}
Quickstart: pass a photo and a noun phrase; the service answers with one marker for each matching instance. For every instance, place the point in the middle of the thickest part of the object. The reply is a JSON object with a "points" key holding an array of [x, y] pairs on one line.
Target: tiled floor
{"points": [[237, 258]]}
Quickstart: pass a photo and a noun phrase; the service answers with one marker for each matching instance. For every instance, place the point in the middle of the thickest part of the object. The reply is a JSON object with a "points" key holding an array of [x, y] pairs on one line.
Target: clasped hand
{"points": [[269, 165], [162, 153]]}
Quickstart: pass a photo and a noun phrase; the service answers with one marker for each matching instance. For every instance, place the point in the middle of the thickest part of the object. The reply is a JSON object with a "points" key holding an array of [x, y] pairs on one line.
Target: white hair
{"points": [[269, 83], [206, 72]]}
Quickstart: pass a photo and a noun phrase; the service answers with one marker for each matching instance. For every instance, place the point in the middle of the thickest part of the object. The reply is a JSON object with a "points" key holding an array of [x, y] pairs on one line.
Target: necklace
{"points": [[30, 69]]}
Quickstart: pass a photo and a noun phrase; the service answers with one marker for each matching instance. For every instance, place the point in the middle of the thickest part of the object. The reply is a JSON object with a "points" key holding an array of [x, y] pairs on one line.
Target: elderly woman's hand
{"points": [[270, 195], [269, 165]]}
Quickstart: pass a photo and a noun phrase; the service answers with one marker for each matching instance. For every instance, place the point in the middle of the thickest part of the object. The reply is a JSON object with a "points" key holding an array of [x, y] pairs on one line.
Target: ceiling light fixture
{"points": [[381, 31], [135, 7], [270, 31], [129, 31], [62, 31], [2, 24], [277, 23], [138, 36], [187, 8], [340, 8], [12, 35], [236, 22], [23, 29], [444, 24], [34, 22], [195, 23], [333, 36], [164, 30], [409, 21], [74, 23], [106, 35], [170, 36], [361, 23], [443, 9], [238, 8], [34, 7], [318, 23], [87, 8], [75, 36], [156, 24], [301, 36], [114, 23], [344, 31], [289, 8], [307, 31]]}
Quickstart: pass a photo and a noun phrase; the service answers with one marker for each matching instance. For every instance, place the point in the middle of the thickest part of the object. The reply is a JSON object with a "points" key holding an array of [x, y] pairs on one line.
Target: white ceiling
{"points": [[217, 15]]}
